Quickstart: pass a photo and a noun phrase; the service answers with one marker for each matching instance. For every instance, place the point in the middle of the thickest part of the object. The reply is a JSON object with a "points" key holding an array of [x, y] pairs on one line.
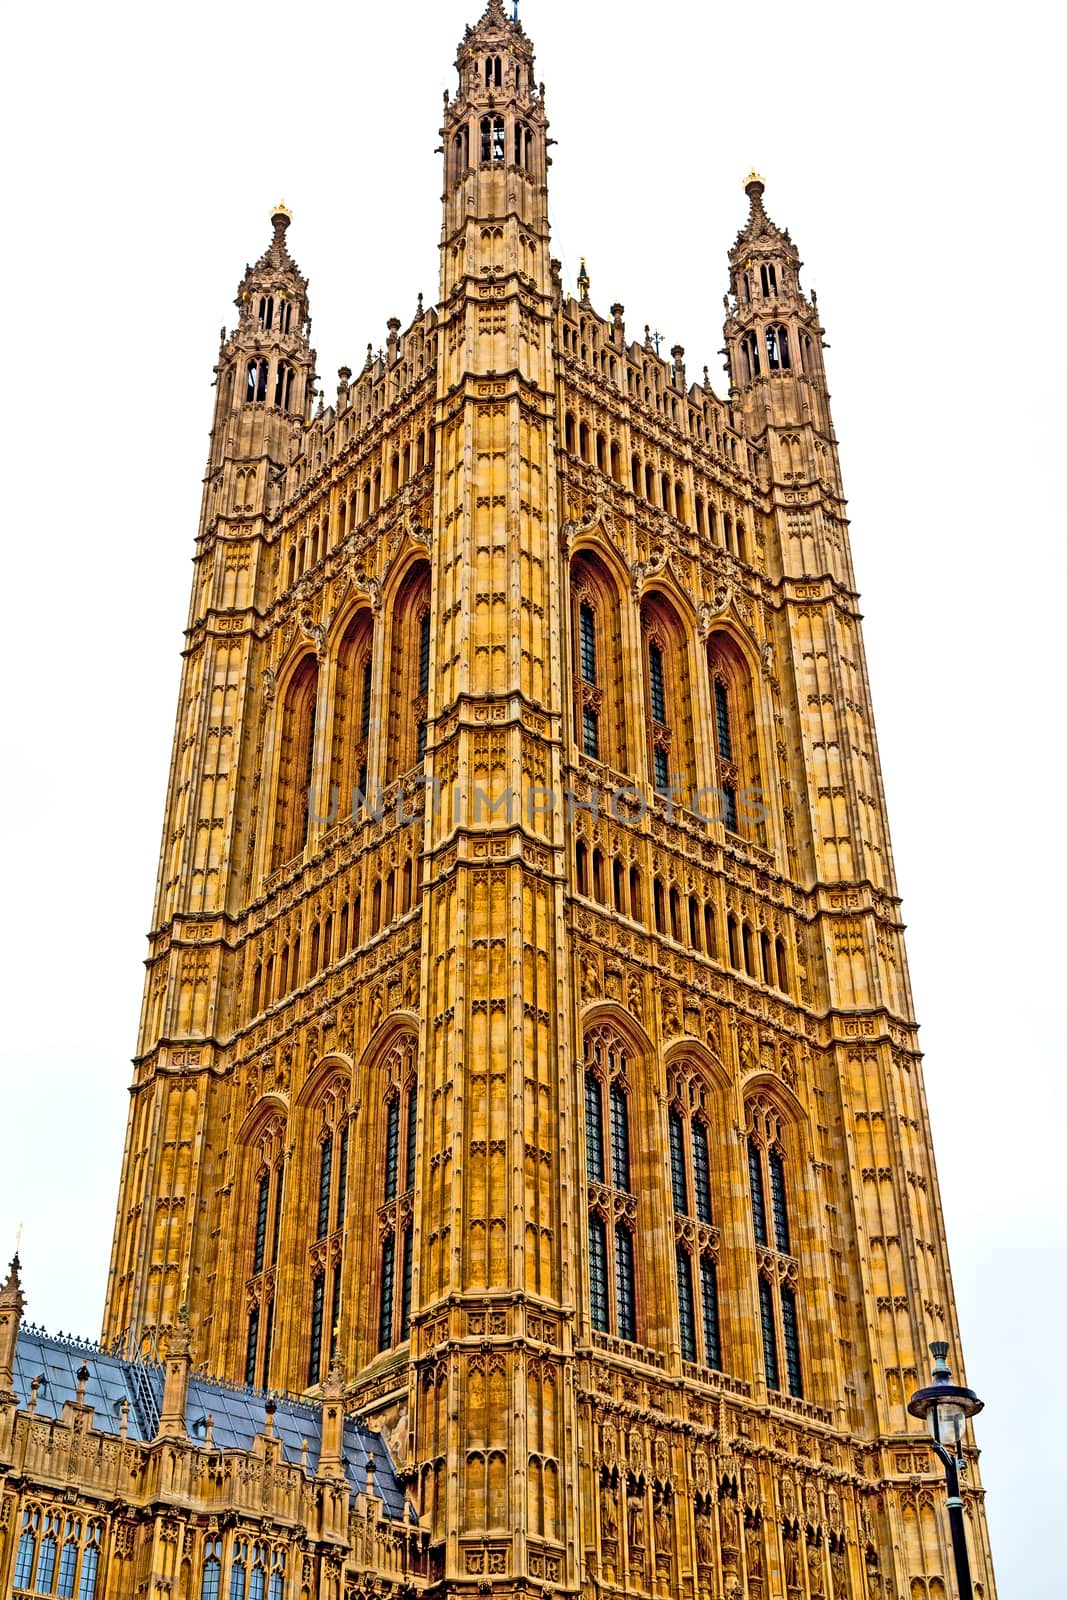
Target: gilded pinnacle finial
{"points": [[281, 216]]}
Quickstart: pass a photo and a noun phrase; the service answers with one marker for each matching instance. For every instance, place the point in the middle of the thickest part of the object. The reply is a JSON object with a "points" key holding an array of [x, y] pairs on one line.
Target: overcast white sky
{"points": [[910, 150]]}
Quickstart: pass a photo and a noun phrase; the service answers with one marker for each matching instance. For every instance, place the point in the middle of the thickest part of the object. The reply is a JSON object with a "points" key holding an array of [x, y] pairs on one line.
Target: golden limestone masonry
{"points": [[528, 1186]]}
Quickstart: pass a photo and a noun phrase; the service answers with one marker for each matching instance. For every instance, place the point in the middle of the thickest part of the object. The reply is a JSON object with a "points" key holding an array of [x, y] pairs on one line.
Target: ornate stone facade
{"points": [[527, 1034]]}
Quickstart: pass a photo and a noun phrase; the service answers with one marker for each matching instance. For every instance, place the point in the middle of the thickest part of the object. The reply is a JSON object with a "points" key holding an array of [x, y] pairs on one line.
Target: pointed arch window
{"points": [[409, 673], [68, 1560], [492, 131], [27, 1549], [239, 1570], [625, 1299], [257, 379], [607, 1144], [620, 1138], [686, 1321], [656, 686], [350, 747], [265, 1169], [777, 1267], [259, 1252], [252, 1347], [392, 1146], [779, 1210], [283, 386], [387, 1293], [759, 1203], [709, 1298], [667, 699], [677, 1147], [599, 713], [696, 1238], [318, 1308], [778, 348], [587, 641], [598, 1273], [295, 764], [769, 1332], [750, 362], [736, 744], [46, 1561], [327, 1178], [424, 680], [395, 1214], [212, 1573]]}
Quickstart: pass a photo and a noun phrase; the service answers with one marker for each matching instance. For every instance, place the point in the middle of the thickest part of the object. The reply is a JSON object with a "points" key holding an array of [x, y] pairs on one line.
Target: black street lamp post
{"points": [[945, 1408]]}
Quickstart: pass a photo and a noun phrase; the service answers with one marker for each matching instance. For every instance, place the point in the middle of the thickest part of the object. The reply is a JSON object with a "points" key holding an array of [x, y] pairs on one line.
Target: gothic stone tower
{"points": [[527, 1029]]}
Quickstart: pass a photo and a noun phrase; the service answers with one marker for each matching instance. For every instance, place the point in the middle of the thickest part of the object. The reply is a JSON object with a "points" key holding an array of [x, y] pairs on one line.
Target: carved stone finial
{"points": [[333, 1387], [181, 1335]]}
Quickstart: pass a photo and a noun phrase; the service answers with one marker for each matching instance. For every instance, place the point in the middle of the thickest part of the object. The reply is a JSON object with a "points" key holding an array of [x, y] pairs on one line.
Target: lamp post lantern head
{"points": [[944, 1406]]}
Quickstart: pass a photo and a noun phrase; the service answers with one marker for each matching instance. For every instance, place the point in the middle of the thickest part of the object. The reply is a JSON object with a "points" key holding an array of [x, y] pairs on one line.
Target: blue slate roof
{"points": [[238, 1414]]}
